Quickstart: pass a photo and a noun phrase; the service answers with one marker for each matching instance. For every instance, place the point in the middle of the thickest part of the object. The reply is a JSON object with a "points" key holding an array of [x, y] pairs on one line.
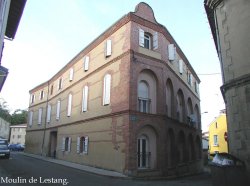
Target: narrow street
{"points": [[30, 171]]}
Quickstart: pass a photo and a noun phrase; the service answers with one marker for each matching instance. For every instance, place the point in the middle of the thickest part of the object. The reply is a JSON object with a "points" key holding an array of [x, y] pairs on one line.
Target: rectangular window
{"points": [[216, 140], [85, 99], [32, 98], [82, 145], [40, 112], [66, 143], [171, 52], [41, 95], [59, 86], [30, 118], [196, 87], [48, 113], [71, 74], [58, 108], [106, 89], [108, 48], [69, 105], [86, 63], [190, 78], [51, 89], [18, 136]]}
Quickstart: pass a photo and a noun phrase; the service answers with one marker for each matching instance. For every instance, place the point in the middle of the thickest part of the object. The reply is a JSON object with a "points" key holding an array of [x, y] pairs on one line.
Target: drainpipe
{"points": [[45, 123]]}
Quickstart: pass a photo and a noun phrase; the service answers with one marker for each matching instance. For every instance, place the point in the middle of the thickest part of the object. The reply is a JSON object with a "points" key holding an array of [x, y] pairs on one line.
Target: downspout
{"points": [[45, 123]]}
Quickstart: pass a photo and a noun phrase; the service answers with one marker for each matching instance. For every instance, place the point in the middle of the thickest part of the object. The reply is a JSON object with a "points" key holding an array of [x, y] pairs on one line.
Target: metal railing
{"points": [[144, 104], [144, 159]]}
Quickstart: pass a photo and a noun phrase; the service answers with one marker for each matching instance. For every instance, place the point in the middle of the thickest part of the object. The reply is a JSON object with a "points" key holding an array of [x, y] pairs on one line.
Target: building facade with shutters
{"points": [[128, 102], [17, 134]]}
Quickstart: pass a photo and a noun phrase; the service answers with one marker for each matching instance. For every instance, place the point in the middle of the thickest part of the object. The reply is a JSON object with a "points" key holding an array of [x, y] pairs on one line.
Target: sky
{"points": [[51, 33]]}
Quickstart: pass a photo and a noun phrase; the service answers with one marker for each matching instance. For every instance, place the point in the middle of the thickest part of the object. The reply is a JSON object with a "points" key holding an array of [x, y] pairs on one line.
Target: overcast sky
{"points": [[52, 32]]}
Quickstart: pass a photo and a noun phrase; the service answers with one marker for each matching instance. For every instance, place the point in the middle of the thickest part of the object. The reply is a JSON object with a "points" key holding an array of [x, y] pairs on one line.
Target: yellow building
{"points": [[217, 131]]}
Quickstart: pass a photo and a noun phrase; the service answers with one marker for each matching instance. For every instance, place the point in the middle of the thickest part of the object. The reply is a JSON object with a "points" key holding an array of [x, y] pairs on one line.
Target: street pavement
{"points": [[33, 170]]}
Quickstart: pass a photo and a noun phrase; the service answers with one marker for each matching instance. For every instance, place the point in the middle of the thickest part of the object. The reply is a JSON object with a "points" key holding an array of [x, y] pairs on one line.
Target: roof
{"points": [[15, 14], [137, 17]]}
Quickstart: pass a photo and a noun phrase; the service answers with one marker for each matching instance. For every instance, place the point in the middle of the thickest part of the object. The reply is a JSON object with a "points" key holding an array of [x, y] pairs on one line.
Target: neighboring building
{"points": [[230, 24], [4, 129], [217, 133], [10, 15], [128, 102], [17, 134]]}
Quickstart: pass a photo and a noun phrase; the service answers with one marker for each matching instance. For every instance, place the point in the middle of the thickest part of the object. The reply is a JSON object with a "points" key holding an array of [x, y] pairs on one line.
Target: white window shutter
{"points": [[63, 144], [108, 47], [85, 99], [69, 144], [171, 52], [30, 118], [58, 108], [58, 84], [180, 66], [71, 74], [69, 105], [86, 63], [106, 89], [155, 40], [40, 111], [48, 113], [141, 37], [78, 145], [86, 145]]}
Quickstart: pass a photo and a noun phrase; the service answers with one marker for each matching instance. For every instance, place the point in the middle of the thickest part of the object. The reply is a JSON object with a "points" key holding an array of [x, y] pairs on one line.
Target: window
{"points": [[86, 63], [145, 40], [85, 98], [48, 113], [30, 118], [216, 125], [69, 105], [58, 107], [143, 97], [13, 137], [18, 136], [190, 79], [66, 143], [71, 74], [40, 112], [108, 48], [216, 140], [51, 89], [59, 84], [171, 52], [32, 99], [196, 87], [82, 145], [106, 89], [41, 95], [143, 159]]}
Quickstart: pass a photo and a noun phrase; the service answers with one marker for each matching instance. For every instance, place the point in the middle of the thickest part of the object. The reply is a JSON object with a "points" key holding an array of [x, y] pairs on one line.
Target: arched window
{"points": [[143, 151], [82, 144], [143, 97], [169, 98], [66, 143], [180, 107]]}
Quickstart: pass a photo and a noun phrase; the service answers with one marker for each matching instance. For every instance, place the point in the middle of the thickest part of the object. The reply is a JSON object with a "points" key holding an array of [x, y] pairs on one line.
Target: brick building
{"points": [[128, 102]]}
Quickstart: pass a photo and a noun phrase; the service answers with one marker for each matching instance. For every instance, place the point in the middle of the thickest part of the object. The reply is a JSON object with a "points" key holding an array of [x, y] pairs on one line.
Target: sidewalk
{"points": [[78, 166]]}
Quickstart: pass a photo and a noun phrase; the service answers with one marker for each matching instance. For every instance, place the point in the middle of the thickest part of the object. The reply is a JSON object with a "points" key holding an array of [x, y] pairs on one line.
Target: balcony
{"points": [[144, 105]]}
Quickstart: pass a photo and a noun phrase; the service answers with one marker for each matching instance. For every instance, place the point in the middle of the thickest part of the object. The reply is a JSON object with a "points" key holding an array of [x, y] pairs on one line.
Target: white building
{"points": [[17, 134]]}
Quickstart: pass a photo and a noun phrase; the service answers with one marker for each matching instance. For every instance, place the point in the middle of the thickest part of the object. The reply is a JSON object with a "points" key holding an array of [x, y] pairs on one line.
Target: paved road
{"points": [[30, 171]]}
